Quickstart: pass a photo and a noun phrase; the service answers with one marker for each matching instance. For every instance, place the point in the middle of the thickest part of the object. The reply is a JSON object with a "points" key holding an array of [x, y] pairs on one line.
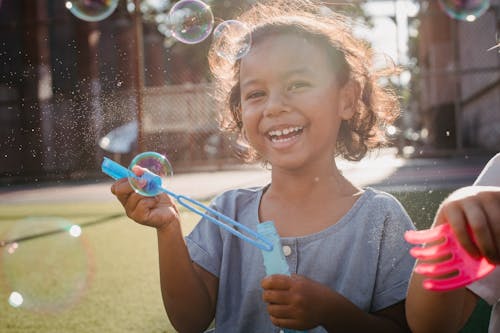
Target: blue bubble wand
{"points": [[153, 184]]}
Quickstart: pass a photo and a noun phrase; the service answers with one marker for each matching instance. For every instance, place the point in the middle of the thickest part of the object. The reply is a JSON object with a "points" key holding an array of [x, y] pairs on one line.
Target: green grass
{"points": [[114, 266], [422, 206]]}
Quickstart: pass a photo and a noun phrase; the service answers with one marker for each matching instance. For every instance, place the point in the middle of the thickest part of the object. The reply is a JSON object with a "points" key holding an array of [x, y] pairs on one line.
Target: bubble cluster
{"points": [[232, 40], [152, 171], [190, 21], [45, 264], [92, 10], [466, 10]]}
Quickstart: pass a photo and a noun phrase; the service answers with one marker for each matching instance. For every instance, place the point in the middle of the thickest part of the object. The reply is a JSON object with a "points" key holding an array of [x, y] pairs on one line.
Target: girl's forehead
{"points": [[282, 52]]}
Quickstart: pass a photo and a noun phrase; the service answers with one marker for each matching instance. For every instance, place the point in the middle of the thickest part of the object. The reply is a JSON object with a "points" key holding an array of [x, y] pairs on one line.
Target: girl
{"points": [[302, 95]]}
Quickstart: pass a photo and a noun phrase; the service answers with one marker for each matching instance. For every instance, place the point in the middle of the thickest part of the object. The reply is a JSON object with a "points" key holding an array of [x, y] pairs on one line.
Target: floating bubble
{"points": [[92, 10], [232, 40], [190, 21], [45, 263], [466, 10], [153, 170]]}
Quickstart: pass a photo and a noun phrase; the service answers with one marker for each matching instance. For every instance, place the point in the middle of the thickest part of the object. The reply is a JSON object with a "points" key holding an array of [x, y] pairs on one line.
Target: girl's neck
{"points": [[319, 180], [300, 203]]}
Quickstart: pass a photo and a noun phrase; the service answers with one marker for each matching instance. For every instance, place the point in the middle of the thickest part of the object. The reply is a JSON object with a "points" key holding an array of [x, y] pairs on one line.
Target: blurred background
{"points": [[76, 88]]}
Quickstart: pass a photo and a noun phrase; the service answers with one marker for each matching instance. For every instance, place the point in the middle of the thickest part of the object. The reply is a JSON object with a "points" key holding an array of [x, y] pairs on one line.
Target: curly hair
{"points": [[351, 58]]}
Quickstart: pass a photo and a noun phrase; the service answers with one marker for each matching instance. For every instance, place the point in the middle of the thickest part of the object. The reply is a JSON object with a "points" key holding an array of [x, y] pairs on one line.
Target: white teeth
{"points": [[280, 140], [285, 131]]}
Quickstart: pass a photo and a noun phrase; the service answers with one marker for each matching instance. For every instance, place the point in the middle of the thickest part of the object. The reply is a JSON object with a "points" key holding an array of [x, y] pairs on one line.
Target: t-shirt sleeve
{"points": [[205, 244], [488, 288], [395, 262], [490, 175]]}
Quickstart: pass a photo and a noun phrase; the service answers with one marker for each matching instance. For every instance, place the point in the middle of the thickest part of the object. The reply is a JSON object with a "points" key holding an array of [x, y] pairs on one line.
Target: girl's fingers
{"points": [[491, 204], [478, 223], [283, 322], [454, 214], [275, 296], [121, 187], [143, 207], [279, 311], [276, 281]]}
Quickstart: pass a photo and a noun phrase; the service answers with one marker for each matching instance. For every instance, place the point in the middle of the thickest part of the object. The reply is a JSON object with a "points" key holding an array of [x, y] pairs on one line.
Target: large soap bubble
{"points": [[190, 21], [232, 40], [46, 264], [92, 10], [152, 171], [466, 10]]}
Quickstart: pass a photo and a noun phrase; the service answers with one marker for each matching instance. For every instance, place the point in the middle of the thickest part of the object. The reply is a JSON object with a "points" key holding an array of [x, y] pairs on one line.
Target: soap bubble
{"points": [[232, 40], [466, 10], [190, 21], [153, 170], [45, 264], [92, 10]]}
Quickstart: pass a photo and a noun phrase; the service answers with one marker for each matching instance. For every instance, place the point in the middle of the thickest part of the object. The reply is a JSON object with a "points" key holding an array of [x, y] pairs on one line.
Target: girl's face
{"points": [[291, 103]]}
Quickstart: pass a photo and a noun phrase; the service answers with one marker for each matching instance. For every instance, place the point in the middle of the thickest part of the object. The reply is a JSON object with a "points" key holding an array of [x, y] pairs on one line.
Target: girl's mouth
{"points": [[284, 134]]}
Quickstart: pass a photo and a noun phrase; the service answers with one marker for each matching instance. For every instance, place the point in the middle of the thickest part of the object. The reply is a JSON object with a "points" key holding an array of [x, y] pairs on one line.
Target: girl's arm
{"points": [[350, 318], [440, 312], [188, 291]]}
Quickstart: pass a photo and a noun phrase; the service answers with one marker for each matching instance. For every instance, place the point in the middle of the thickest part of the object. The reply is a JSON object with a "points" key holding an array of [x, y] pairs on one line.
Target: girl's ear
{"points": [[349, 95]]}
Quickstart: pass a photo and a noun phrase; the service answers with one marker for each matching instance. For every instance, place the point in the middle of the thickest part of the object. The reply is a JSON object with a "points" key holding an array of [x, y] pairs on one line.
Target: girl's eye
{"points": [[297, 85], [254, 94]]}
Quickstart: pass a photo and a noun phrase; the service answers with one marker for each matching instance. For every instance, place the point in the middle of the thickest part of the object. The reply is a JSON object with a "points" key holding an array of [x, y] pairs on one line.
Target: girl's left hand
{"points": [[295, 301]]}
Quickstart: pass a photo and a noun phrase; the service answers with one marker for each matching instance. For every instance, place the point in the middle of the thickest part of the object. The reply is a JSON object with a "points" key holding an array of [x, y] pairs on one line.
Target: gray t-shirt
{"points": [[363, 257]]}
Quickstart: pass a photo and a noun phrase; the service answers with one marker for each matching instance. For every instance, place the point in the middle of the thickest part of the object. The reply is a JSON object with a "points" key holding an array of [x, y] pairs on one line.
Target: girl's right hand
{"points": [[474, 215], [158, 211]]}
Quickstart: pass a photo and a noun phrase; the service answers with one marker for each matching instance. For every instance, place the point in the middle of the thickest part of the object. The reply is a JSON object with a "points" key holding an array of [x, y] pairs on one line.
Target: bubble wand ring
{"points": [[153, 184]]}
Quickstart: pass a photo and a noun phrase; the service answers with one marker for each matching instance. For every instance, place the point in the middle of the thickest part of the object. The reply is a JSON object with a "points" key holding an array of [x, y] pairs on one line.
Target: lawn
{"points": [[105, 280]]}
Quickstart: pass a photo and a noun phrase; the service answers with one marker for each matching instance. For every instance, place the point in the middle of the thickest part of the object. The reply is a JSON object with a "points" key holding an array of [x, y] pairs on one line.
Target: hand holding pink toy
{"points": [[467, 228]]}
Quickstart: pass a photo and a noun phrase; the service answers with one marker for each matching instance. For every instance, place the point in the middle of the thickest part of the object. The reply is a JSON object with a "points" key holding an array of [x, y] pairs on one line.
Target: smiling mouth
{"points": [[285, 134]]}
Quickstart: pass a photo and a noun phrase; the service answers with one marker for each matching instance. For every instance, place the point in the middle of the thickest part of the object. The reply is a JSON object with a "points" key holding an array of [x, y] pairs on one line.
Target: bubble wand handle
{"points": [[117, 171], [274, 261]]}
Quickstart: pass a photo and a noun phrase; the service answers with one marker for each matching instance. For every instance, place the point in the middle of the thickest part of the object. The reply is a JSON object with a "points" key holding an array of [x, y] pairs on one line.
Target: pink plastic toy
{"points": [[467, 268]]}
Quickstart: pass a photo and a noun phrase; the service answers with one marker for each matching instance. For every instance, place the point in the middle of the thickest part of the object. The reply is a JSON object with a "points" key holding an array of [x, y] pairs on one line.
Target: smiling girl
{"points": [[303, 95]]}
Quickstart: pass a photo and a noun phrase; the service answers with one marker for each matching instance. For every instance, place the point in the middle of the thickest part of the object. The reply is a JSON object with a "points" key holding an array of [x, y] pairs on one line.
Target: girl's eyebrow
{"points": [[294, 71]]}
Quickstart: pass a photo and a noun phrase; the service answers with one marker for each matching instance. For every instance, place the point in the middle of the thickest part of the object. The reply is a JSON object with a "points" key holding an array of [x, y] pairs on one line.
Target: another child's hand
{"points": [[158, 211], [294, 301], [477, 209]]}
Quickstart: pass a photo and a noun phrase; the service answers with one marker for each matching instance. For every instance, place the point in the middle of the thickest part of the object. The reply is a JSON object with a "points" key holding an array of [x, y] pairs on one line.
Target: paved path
{"points": [[384, 170]]}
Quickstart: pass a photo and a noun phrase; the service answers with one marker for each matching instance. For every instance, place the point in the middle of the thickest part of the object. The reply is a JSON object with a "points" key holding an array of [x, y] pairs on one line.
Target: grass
{"points": [[108, 280], [116, 267]]}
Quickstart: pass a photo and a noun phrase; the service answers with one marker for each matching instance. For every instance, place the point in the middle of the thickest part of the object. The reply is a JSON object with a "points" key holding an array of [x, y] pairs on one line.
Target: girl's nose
{"points": [[276, 104]]}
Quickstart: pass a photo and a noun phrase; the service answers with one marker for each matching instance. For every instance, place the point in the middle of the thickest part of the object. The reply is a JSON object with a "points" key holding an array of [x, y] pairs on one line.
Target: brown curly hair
{"points": [[376, 107]]}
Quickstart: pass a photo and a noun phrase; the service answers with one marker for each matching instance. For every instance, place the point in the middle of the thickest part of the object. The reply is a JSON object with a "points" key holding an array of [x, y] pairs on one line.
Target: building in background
{"points": [[458, 80], [66, 83]]}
